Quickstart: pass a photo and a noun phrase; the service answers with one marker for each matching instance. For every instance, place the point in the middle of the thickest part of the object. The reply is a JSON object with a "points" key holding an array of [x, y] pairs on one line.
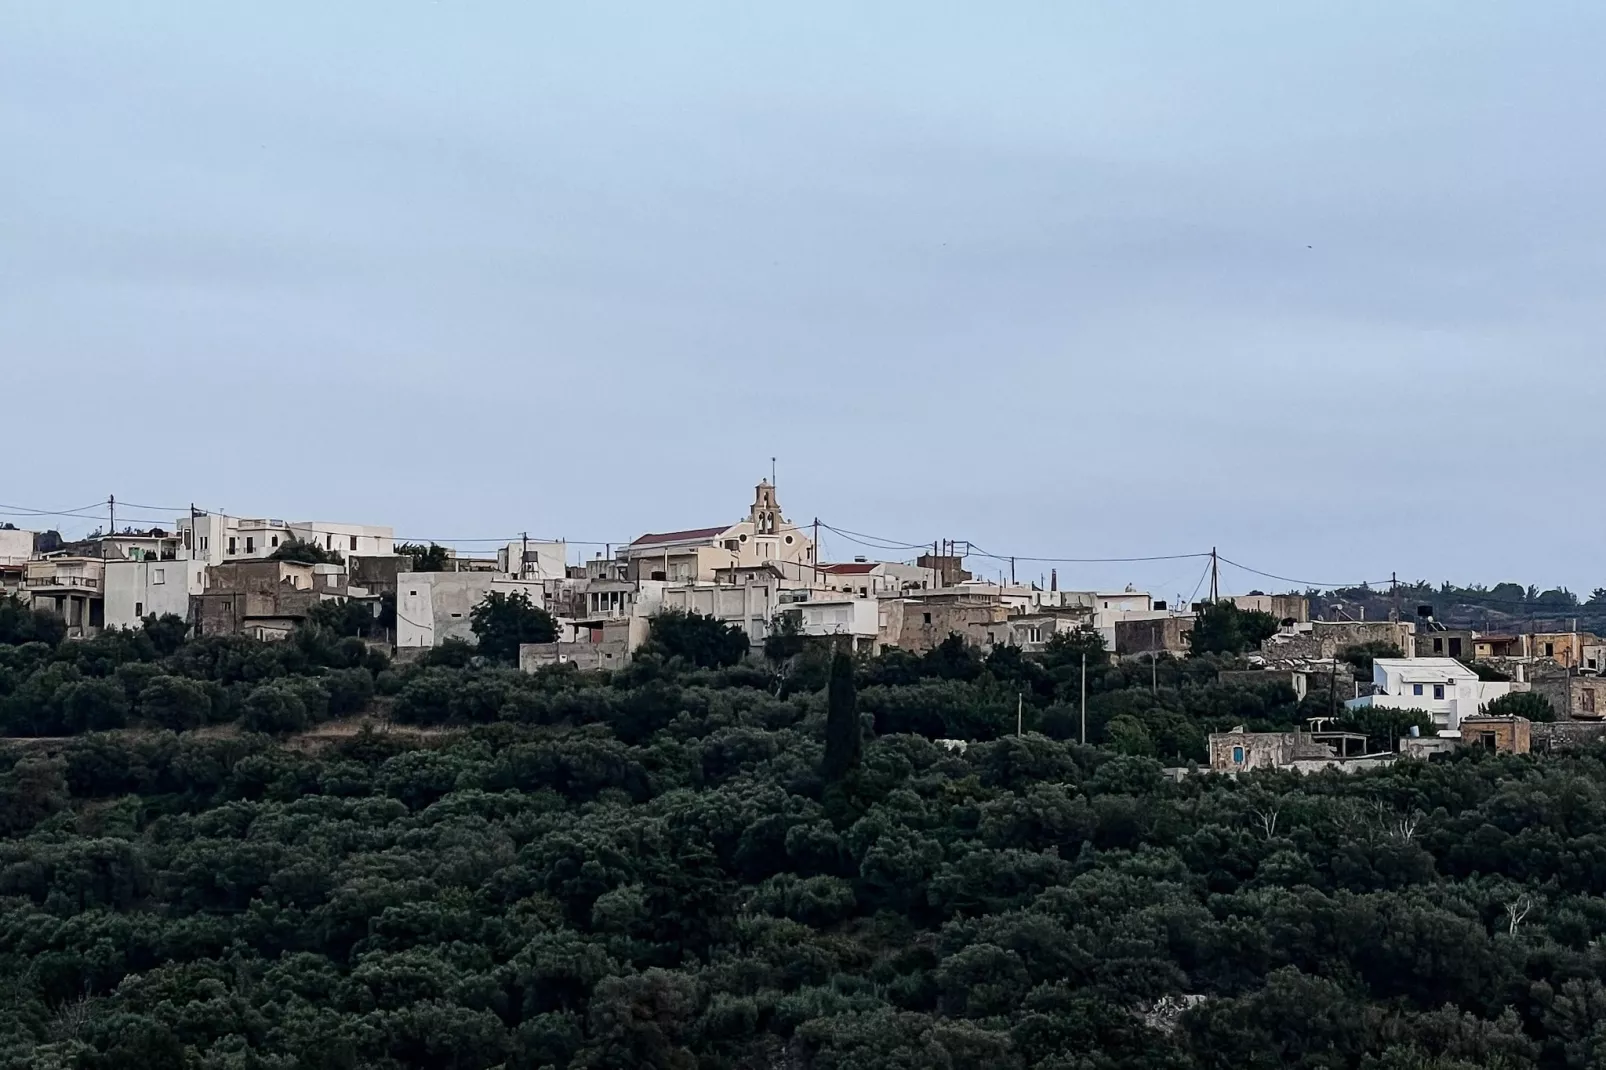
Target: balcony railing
{"points": [[88, 583]]}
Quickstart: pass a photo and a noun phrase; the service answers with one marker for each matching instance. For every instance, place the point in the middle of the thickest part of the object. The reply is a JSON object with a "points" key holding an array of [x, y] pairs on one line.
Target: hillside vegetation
{"points": [[697, 863]]}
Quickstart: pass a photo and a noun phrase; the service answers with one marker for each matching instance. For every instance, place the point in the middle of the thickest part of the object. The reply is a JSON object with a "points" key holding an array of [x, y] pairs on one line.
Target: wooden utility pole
{"points": [[111, 524], [815, 551]]}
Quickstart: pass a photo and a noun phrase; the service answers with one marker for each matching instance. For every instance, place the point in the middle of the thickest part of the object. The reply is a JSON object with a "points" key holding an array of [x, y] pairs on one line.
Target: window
{"points": [[354, 542], [927, 617], [139, 609], [1550, 650], [158, 575], [1237, 755], [1438, 646], [1438, 692], [789, 540], [1455, 648], [275, 540], [1586, 700], [250, 544], [1416, 689], [412, 594], [1486, 740], [231, 544], [328, 542], [260, 633], [1590, 662]]}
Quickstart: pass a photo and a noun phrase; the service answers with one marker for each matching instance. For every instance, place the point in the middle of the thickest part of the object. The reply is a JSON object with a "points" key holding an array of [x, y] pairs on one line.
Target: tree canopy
{"points": [[202, 867]]}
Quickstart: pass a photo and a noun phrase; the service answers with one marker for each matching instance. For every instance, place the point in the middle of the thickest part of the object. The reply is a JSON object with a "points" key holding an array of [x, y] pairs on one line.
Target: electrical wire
{"points": [[1307, 583], [1202, 577]]}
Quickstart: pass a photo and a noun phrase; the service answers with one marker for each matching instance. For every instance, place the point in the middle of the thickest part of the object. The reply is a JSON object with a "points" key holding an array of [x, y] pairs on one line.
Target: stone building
{"points": [[263, 599], [1508, 735]]}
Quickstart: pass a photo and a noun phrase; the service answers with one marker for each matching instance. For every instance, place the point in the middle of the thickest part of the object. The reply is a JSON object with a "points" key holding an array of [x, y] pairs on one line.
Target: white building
{"points": [[856, 618], [1442, 687], [692, 556], [872, 579], [531, 559], [432, 607], [750, 605], [16, 549], [217, 538], [150, 587]]}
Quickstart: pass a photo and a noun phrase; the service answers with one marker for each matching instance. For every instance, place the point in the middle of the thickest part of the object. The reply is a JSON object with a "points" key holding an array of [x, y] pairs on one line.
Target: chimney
{"points": [[1053, 579]]}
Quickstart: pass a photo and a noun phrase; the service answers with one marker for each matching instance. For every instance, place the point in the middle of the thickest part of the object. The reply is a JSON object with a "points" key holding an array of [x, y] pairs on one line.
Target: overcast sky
{"points": [[1319, 284]]}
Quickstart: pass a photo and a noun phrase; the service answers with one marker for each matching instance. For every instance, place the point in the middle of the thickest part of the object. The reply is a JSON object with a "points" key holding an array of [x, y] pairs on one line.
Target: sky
{"points": [[1318, 284]]}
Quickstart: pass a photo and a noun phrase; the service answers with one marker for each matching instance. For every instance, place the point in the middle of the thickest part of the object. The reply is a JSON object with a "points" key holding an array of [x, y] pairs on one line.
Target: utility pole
{"points": [[815, 552], [1012, 572], [1154, 673], [1394, 589], [1215, 576], [111, 527], [1084, 697], [1020, 711], [524, 553]]}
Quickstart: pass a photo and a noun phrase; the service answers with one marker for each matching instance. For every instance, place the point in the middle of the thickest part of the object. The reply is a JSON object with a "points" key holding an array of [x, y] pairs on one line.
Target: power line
{"points": [[1307, 583]]}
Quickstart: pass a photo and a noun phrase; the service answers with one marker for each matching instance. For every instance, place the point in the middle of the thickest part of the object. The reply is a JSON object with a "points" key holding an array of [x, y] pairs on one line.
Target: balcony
{"points": [[64, 580]]}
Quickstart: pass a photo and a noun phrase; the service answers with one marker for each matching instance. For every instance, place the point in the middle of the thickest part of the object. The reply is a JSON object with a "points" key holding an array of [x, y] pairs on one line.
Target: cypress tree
{"points": [[842, 736]]}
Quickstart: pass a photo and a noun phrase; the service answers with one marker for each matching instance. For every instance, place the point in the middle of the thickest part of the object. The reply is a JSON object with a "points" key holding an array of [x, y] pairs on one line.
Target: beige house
{"points": [[73, 588], [694, 555]]}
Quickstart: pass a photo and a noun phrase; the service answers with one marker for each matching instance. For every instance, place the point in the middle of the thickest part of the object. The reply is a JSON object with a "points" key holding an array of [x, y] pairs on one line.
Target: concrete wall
{"points": [[1560, 735], [15, 546], [136, 589], [749, 606], [850, 616], [1508, 735], [583, 655], [1299, 681], [1573, 696], [921, 624], [1451, 643], [1167, 635], [1326, 639], [377, 575], [1282, 606], [432, 607]]}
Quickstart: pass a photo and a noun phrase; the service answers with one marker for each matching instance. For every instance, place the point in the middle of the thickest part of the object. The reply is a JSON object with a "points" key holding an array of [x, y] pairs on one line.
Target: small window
{"points": [[457, 614], [139, 609], [1238, 755], [231, 544], [206, 543], [1416, 689], [250, 545], [927, 616], [789, 540], [261, 633], [158, 575], [412, 594], [1455, 647], [1438, 646], [354, 542], [1586, 700], [275, 540], [1550, 650], [1438, 692], [328, 542]]}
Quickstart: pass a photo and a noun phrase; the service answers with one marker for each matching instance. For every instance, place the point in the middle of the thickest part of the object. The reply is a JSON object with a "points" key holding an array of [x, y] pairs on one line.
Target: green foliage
{"points": [[843, 737], [346, 617], [674, 865], [1362, 655], [1223, 628], [305, 553], [1529, 704], [431, 558], [501, 622], [19, 623], [702, 641]]}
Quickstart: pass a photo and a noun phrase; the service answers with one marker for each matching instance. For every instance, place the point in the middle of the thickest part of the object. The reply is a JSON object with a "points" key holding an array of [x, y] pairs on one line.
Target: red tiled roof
{"points": [[680, 536], [852, 568]]}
